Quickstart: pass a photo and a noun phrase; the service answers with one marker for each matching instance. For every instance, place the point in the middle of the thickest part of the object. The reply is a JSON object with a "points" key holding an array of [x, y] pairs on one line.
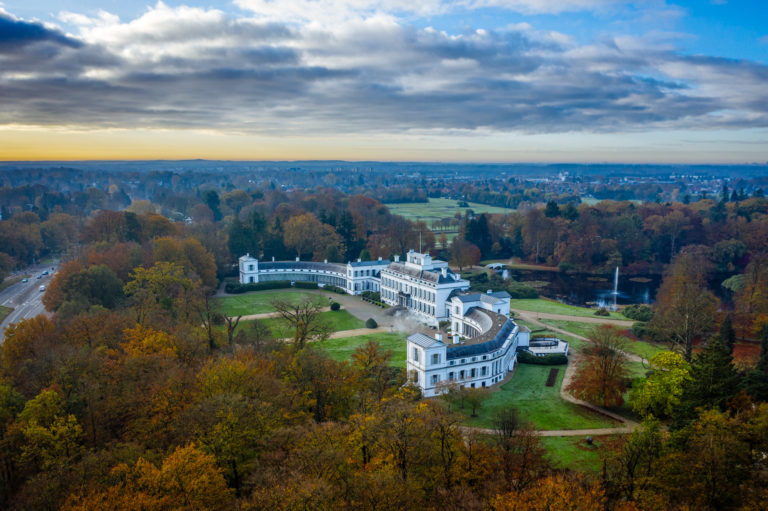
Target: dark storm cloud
{"points": [[17, 33], [212, 72]]}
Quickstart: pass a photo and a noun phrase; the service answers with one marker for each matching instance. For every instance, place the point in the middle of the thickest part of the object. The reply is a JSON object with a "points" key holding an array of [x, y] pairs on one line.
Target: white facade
{"points": [[354, 277], [421, 285], [432, 362]]}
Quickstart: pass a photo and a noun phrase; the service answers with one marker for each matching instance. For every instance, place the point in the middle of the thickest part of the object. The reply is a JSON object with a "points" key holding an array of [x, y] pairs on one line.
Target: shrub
{"points": [[305, 285], [334, 289], [371, 323], [371, 295], [555, 359], [335, 306], [520, 290], [638, 312], [602, 311]]}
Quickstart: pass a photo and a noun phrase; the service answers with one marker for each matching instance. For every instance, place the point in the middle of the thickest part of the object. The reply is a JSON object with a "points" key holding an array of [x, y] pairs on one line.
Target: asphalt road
{"points": [[25, 297]]}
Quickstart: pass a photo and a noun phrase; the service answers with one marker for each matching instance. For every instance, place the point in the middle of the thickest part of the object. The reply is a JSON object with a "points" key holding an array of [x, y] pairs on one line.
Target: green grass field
{"points": [[4, 311], [338, 321], [572, 452], [553, 307], [644, 349], [538, 404], [439, 208], [258, 302], [341, 349]]}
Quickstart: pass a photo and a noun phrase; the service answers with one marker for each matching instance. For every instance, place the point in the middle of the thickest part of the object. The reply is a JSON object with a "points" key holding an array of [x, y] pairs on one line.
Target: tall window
{"points": [[435, 379], [435, 358], [415, 354]]}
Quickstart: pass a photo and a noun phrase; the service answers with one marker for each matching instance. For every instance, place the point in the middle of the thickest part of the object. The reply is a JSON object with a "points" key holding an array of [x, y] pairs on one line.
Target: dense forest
{"points": [[132, 395]]}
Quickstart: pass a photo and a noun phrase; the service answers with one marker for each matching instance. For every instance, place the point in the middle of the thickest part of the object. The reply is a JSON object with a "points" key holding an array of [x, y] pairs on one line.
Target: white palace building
{"points": [[483, 338]]}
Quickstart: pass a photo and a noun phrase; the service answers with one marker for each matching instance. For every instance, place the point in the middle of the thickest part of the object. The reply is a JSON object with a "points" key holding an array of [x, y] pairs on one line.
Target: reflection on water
{"points": [[590, 288]]}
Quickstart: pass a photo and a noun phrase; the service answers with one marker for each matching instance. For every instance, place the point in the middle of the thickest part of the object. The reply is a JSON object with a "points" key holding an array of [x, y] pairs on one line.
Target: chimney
{"points": [[379, 258], [455, 338], [326, 262], [489, 291], [359, 260], [297, 259], [397, 258], [444, 271], [439, 336], [273, 259], [247, 254]]}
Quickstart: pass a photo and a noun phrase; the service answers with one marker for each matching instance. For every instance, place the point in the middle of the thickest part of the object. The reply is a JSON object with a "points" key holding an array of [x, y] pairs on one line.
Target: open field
{"points": [[338, 321], [341, 349], [553, 307], [439, 208], [257, 302], [515, 264], [538, 404], [574, 453], [4, 311]]}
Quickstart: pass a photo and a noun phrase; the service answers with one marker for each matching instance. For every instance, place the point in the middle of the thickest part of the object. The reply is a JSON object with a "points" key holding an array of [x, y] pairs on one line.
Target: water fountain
{"points": [[615, 287]]}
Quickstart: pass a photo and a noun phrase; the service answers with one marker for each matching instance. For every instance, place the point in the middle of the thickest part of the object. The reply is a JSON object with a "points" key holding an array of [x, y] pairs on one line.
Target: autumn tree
{"points": [[161, 290], [601, 377], [684, 307], [464, 253], [301, 232], [660, 392], [521, 455]]}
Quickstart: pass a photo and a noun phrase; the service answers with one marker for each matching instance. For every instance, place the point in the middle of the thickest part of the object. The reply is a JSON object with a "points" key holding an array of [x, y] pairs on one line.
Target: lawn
{"points": [[439, 208], [553, 307], [573, 452], [341, 349], [540, 405], [644, 349], [338, 320], [4, 311], [640, 348], [257, 302]]}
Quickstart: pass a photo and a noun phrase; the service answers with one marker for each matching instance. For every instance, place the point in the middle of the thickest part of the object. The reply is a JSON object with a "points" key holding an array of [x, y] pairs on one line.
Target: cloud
{"points": [[194, 68], [16, 34]]}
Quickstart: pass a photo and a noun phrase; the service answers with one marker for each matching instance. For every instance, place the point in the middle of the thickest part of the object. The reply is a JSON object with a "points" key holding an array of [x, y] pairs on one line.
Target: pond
{"points": [[590, 288]]}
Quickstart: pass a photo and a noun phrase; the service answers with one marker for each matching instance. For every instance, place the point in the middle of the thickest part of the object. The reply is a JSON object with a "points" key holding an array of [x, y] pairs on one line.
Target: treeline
{"points": [[639, 239]]}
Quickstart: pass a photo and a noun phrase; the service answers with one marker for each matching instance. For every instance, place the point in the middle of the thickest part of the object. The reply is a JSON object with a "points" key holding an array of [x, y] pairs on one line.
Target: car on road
{"points": [[39, 277], [25, 280], [45, 272], [42, 288]]}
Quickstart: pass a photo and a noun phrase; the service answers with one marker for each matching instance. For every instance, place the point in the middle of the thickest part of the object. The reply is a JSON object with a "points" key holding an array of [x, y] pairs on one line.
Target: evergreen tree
{"points": [[756, 381], [552, 210], [713, 381], [728, 334]]}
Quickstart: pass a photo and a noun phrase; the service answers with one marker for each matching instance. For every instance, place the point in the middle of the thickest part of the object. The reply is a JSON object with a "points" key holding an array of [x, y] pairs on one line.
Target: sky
{"points": [[655, 81]]}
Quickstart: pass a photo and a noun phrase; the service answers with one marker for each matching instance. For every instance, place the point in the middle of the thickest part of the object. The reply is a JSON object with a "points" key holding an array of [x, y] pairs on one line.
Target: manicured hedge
{"points": [[371, 323], [305, 285], [335, 306], [237, 288], [334, 289], [526, 357]]}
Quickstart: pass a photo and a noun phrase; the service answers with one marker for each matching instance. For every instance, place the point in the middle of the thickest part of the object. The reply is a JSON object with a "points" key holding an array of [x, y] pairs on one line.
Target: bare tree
{"points": [[303, 318]]}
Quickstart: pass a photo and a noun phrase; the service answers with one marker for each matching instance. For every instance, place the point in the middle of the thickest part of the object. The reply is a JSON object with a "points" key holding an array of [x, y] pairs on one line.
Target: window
{"points": [[484, 371], [250, 267], [473, 373], [415, 354], [435, 379], [450, 375], [461, 375], [435, 358]]}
